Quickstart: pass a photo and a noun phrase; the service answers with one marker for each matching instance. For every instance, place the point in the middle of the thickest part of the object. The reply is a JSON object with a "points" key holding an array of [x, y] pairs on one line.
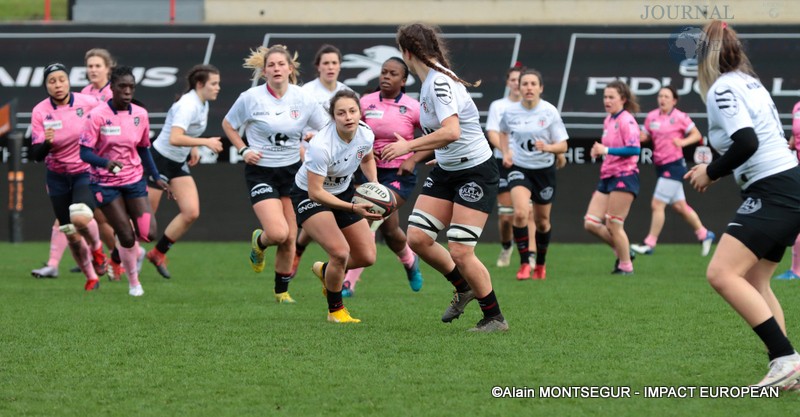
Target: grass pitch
{"points": [[212, 341]]}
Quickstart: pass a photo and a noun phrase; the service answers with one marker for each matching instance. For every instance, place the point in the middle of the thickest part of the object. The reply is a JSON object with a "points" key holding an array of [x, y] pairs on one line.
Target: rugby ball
{"points": [[381, 198]]}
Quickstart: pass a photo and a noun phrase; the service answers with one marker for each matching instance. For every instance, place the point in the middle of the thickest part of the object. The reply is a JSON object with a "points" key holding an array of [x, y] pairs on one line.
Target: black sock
{"points": [[282, 282], [299, 249], [164, 244], [457, 280], [772, 336], [522, 239], [489, 306], [335, 301], [542, 242], [506, 245], [258, 242], [115, 256]]}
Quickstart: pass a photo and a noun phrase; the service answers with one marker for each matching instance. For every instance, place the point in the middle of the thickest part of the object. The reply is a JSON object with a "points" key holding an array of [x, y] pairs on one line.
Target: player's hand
{"points": [[194, 156], [678, 142], [308, 136], [251, 157], [698, 177], [114, 167], [561, 161], [540, 146], [49, 135], [362, 209], [407, 167], [396, 149], [598, 150], [215, 144], [165, 186], [508, 159]]}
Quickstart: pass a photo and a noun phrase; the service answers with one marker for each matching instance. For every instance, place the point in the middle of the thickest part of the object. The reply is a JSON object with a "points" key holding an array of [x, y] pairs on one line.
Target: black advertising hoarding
{"points": [[575, 62]]}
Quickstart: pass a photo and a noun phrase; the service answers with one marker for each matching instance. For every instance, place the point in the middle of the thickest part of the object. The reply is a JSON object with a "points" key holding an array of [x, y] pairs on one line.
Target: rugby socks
{"points": [[489, 306], [335, 301], [626, 266], [651, 240], [701, 233], [406, 257], [282, 282], [796, 256], [506, 245], [772, 336], [129, 257], [94, 233], [58, 244], [258, 242], [523, 240], [542, 242], [457, 280], [165, 243], [80, 251], [299, 249], [351, 277]]}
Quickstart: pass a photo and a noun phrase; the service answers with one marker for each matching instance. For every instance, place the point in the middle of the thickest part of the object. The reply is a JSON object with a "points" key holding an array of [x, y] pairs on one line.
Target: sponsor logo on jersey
{"points": [[373, 114], [111, 130], [546, 193], [262, 188], [726, 102], [515, 176], [306, 205], [655, 125], [442, 89], [750, 206], [53, 124], [471, 192], [261, 113]]}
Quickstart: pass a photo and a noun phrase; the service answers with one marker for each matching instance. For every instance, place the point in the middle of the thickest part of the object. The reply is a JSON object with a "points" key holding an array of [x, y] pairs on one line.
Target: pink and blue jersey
{"points": [[67, 124], [385, 117], [115, 135], [663, 128], [620, 131], [103, 94]]}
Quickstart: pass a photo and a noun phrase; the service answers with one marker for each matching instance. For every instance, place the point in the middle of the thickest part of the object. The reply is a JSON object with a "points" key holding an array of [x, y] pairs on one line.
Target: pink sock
{"points": [[406, 257], [128, 256], [80, 251], [352, 276], [58, 243], [650, 240], [796, 256], [626, 266], [94, 233], [701, 233]]}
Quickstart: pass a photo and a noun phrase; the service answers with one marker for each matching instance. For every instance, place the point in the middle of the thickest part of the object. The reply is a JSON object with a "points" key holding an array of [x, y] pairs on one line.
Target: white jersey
{"points": [[274, 126], [321, 94], [496, 110], [333, 158], [736, 101], [526, 127], [441, 97], [188, 113]]}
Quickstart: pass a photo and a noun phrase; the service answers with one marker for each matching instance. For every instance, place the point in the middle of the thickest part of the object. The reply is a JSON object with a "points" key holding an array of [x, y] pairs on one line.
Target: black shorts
{"points": [[540, 182], [474, 187], [769, 219], [167, 168], [267, 182], [502, 186], [67, 189], [304, 207]]}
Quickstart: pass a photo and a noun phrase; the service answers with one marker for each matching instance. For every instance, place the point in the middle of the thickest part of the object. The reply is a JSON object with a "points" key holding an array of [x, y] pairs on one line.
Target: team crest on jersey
{"points": [[542, 122], [79, 112], [471, 192], [425, 106], [442, 89], [362, 150], [546, 193], [403, 109], [136, 121], [428, 183], [672, 120], [726, 102], [294, 113], [750, 206]]}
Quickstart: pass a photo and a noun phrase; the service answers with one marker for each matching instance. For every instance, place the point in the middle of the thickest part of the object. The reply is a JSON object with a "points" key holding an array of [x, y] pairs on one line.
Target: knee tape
{"points": [[68, 229], [430, 225], [615, 219], [505, 210], [80, 209], [464, 234], [593, 220]]}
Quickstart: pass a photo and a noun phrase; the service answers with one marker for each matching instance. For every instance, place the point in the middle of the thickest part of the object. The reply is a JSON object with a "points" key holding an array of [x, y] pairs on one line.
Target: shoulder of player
{"points": [[137, 110], [363, 126]]}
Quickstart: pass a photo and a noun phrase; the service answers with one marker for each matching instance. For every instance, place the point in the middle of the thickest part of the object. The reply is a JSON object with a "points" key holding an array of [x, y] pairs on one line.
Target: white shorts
{"points": [[669, 191]]}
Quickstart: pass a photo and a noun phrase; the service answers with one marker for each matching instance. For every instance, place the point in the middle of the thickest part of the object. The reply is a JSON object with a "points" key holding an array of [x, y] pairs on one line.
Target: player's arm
{"points": [[368, 167]]}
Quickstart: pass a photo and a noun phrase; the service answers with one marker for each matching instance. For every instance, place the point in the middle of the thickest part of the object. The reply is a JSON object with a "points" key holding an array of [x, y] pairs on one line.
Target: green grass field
{"points": [[212, 341]]}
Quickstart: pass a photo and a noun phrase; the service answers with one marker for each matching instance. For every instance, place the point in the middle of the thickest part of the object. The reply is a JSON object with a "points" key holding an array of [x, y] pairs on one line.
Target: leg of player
{"points": [[115, 269], [302, 241], [505, 220], [58, 243], [619, 205], [656, 225], [704, 236], [594, 220], [521, 197], [398, 243], [274, 231], [543, 231], [184, 190], [794, 271]]}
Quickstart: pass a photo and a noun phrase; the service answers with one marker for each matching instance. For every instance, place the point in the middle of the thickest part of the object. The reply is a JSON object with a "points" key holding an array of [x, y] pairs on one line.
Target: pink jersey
{"points": [[115, 136], [103, 94], [386, 117], [663, 128], [67, 123], [796, 127], [619, 131]]}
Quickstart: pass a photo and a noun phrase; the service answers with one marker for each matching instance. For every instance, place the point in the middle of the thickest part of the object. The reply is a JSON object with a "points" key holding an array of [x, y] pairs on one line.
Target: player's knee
{"points": [[423, 228], [715, 274], [191, 215], [591, 223], [681, 207], [542, 223], [80, 215], [126, 239], [464, 234], [278, 235], [340, 254], [521, 218], [504, 211], [394, 235], [418, 240], [614, 222]]}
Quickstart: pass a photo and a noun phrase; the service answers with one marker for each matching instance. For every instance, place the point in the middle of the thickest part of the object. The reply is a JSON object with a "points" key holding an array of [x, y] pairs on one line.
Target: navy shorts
{"points": [[540, 182], [627, 183], [104, 195], [402, 185], [67, 189], [304, 207], [167, 168], [269, 182], [474, 187], [674, 170]]}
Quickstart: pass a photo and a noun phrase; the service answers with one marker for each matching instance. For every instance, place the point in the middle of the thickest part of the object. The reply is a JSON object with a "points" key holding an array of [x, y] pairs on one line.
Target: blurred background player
{"points": [[461, 189], [534, 135], [671, 130], [794, 271], [322, 197], [389, 112], [619, 175], [56, 124], [175, 150], [273, 115], [115, 141], [745, 128]]}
